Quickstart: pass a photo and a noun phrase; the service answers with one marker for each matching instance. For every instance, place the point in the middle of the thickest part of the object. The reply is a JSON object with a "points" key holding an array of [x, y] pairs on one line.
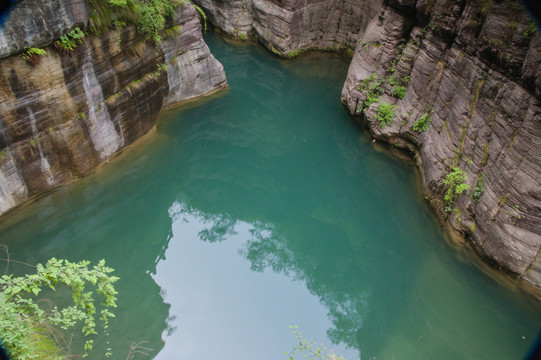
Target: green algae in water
{"points": [[266, 207]]}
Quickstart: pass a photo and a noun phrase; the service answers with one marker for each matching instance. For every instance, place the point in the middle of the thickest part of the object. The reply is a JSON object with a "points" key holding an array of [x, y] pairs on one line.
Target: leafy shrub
{"points": [[456, 185], [33, 55], [370, 99], [69, 42], [149, 16], [423, 123], [479, 189], [153, 15], [385, 113], [204, 17], [373, 83], [21, 315], [399, 92]]}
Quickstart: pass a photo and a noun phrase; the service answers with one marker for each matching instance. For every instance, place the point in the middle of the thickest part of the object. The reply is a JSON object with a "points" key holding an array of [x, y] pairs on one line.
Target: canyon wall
{"points": [[475, 82], [72, 111], [466, 73], [455, 83], [288, 27]]}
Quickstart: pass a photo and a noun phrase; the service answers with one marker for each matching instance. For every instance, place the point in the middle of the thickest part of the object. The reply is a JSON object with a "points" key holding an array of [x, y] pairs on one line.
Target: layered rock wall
{"points": [[468, 70], [69, 113], [288, 27], [474, 74]]}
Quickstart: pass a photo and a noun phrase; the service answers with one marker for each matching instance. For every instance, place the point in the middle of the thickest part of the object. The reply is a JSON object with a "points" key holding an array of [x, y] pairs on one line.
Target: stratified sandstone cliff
{"points": [[290, 26], [469, 68], [66, 115], [473, 68]]}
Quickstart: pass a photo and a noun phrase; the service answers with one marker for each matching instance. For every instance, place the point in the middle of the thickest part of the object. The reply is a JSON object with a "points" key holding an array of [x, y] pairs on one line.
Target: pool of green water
{"points": [[266, 207]]}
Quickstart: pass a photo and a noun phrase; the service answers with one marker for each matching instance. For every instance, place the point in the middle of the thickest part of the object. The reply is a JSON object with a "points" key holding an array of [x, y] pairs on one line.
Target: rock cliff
{"points": [[456, 83], [471, 102], [72, 111], [288, 27]]}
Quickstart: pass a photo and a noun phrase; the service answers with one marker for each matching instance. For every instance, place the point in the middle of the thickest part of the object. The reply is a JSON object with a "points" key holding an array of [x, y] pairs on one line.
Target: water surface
{"points": [[266, 207]]}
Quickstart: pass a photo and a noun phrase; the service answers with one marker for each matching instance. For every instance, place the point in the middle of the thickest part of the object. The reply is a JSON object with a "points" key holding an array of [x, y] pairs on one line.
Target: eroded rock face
{"points": [[66, 115], [289, 26], [37, 23], [474, 70]]}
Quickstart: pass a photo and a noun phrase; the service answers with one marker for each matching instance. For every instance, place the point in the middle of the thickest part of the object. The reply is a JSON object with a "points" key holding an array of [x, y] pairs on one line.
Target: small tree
{"points": [[23, 313]]}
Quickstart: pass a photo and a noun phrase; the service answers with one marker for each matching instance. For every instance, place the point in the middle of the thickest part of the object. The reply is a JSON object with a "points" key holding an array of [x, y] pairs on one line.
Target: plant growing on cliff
{"points": [[24, 314], [152, 16], [33, 55], [370, 99], [456, 185], [204, 17], [69, 42], [479, 189], [399, 91], [385, 113], [423, 123], [149, 16], [513, 215]]}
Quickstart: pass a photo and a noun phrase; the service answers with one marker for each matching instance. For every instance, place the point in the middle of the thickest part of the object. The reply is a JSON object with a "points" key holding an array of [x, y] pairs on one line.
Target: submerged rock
{"points": [[69, 113]]}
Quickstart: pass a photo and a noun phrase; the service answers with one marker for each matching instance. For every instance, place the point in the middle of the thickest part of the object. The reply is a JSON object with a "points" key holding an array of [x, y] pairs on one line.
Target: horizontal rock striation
{"points": [[291, 26], [471, 71], [69, 113]]}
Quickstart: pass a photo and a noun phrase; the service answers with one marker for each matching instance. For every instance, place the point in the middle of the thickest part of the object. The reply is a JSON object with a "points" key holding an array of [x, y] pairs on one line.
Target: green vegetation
{"points": [[458, 216], [33, 55], [152, 16], [513, 215], [27, 328], [385, 113], [374, 86], [479, 189], [456, 185], [423, 123], [68, 42], [399, 92], [373, 83], [203, 16], [295, 53], [310, 349], [149, 16], [530, 29], [371, 98]]}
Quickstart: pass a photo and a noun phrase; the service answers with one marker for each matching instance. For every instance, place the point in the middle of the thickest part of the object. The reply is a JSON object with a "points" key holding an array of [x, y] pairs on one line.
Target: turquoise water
{"points": [[266, 207]]}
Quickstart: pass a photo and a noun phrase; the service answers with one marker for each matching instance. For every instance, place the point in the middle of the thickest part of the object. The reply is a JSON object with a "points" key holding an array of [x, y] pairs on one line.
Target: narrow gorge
{"points": [[370, 171], [460, 81], [469, 71]]}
